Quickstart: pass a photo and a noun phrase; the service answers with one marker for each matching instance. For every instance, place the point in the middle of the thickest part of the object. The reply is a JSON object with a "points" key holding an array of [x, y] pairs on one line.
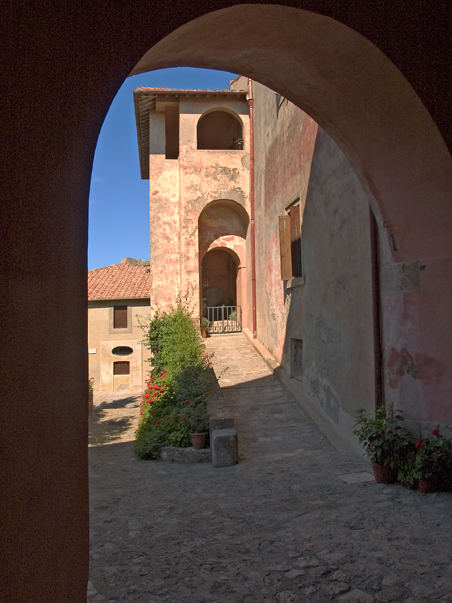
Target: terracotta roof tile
{"points": [[119, 281]]}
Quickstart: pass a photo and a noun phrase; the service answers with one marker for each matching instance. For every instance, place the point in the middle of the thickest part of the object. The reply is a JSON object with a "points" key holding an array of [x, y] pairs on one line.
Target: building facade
{"points": [[118, 306], [315, 246], [194, 148], [253, 205]]}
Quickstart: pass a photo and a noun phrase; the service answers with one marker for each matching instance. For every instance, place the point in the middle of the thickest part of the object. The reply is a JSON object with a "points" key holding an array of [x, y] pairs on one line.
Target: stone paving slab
{"points": [[284, 525]]}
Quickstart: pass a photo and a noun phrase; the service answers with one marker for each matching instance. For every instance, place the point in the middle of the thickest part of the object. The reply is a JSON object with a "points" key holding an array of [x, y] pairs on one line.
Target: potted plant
{"points": [[383, 440], [204, 325], [198, 424], [432, 464]]}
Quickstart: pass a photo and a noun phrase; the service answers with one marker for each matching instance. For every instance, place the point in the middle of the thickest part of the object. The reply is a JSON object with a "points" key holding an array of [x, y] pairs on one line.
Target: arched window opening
{"points": [[219, 274], [219, 130]]}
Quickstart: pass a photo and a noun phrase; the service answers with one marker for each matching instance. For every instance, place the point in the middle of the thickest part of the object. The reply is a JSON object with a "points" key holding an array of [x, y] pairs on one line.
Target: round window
{"points": [[122, 350]]}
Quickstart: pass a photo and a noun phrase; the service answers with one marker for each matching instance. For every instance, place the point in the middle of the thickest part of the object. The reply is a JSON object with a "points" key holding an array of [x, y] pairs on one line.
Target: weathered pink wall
{"points": [[329, 309], [284, 143], [179, 192]]}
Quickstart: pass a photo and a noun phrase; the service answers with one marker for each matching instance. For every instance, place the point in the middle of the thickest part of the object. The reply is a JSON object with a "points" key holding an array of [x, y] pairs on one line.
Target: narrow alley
{"points": [[295, 520]]}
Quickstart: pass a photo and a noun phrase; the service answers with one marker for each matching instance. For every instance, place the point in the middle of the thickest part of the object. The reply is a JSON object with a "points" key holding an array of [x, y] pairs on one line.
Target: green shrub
{"points": [[178, 383], [382, 437], [174, 340]]}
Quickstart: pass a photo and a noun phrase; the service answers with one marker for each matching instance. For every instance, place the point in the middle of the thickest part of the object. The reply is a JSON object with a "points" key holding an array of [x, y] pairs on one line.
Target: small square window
{"points": [[122, 367], [296, 358], [120, 317]]}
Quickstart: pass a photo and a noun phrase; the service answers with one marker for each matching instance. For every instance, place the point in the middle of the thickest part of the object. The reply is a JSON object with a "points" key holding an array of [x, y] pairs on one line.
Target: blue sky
{"points": [[119, 199]]}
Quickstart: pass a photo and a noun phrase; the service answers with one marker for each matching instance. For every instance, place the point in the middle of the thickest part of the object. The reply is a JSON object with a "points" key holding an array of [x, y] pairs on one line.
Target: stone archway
{"points": [[323, 63], [222, 239], [219, 272]]}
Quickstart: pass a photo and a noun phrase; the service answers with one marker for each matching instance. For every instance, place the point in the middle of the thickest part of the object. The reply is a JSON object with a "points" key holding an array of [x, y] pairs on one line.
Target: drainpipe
{"points": [[252, 222]]}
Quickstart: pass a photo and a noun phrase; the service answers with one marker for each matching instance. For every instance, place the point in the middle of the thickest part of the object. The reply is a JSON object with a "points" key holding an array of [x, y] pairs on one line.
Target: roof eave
{"points": [[142, 111], [104, 299]]}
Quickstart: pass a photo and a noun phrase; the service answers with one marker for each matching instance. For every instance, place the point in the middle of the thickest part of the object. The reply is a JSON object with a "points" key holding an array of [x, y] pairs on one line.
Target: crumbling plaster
{"points": [[180, 190]]}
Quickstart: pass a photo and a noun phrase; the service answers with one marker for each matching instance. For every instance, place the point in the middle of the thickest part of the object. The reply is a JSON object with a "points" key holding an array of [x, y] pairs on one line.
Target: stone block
{"points": [[223, 445], [219, 423]]}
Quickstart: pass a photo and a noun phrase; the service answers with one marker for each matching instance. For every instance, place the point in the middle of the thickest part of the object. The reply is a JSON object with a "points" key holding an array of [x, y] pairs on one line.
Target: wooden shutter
{"points": [[122, 367], [285, 247], [120, 317], [295, 239]]}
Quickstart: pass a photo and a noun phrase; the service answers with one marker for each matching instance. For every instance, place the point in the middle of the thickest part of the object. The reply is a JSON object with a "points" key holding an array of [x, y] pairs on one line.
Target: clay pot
{"points": [[426, 485], [383, 475], [204, 332], [198, 440]]}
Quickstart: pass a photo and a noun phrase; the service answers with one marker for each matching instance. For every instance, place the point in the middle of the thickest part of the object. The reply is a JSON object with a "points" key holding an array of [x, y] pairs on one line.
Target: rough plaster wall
{"points": [[331, 311], [102, 339], [284, 141], [336, 300], [220, 219], [205, 176], [164, 218]]}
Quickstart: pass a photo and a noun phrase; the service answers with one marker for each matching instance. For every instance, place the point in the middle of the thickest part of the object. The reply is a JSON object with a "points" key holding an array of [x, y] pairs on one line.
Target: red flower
{"points": [[435, 432], [158, 421], [182, 416], [418, 444], [187, 401]]}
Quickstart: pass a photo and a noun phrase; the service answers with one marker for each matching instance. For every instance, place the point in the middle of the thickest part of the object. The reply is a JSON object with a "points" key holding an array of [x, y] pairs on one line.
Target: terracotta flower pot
{"points": [[383, 475], [426, 485], [198, 440]]}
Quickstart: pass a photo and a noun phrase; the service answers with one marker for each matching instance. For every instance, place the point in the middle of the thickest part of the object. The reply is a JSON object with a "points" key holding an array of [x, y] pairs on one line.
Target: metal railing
{"points": [[224, 319]]}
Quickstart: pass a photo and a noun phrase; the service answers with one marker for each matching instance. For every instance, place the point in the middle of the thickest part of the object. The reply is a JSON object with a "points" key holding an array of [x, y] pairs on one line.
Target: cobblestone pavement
{"points": [[294, 521]]}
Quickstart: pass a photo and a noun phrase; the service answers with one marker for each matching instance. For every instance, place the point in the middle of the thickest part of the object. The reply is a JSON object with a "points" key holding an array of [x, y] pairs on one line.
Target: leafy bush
{"points": [[197, 419], [178, 382], [174, 340], [433, 458]]}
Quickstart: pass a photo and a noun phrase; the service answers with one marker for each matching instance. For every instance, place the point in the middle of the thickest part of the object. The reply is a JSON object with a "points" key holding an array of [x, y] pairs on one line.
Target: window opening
{"points": [[172, 132], [122, 350], [120, 317], [219, 130], [290, 242], [121, 367], [295, 238], [296, 358]]}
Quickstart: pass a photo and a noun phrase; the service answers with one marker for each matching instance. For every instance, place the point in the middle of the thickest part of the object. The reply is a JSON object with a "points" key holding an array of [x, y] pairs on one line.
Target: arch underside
{"points": [[328, 69]]}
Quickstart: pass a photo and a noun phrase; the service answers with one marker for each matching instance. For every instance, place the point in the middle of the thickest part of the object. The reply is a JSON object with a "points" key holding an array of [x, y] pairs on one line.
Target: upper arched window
{"points": [[219, 130]]}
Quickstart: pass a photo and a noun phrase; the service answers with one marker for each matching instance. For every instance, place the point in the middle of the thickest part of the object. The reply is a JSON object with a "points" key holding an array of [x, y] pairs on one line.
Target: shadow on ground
{"points": [[130, 400], [113, 419]]}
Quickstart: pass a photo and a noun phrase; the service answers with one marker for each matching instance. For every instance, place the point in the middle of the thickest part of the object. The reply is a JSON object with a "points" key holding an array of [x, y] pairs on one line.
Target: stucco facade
{"points": [[118, 307], [199, 197], [318, 323], [331, 325]]}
